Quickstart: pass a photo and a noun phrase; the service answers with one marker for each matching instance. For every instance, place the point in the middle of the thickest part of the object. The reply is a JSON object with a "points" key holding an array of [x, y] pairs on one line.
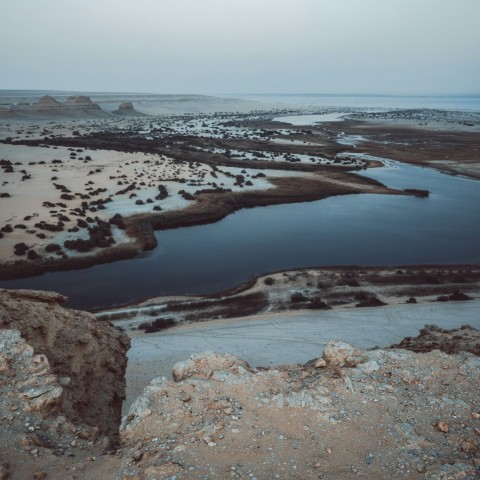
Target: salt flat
{"points": [[291, 337]]}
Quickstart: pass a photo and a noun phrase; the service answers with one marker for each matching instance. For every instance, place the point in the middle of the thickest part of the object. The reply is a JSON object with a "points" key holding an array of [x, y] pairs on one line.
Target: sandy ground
{"points": [[289, 337], [201, 145], [35, 177], [107, 170]]}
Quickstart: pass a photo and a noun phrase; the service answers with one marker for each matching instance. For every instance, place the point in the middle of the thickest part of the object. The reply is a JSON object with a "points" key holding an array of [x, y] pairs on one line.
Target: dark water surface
{"points": [[344, 230]]}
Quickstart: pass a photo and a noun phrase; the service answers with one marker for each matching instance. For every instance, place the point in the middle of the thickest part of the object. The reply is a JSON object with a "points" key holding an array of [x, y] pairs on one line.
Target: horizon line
{"points": [[318, 94]]}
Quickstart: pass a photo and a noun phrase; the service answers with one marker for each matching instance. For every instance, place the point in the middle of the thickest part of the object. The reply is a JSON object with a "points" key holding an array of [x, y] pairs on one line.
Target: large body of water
{"points": [[343, 230], [455, 102]]}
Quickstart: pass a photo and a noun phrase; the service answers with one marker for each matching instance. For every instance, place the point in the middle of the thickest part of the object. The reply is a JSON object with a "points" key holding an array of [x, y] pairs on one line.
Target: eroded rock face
{"points": [[33, 426], [89, 354], [35, 387]]}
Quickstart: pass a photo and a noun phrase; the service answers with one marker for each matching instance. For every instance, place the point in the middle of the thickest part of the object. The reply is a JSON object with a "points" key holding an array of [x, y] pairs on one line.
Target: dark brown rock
{"points": [[92, 354]]}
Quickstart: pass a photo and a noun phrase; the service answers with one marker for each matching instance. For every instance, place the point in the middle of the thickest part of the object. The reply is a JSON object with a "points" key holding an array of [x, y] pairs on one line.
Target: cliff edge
{"points": [[377, 414], [91, 354]]}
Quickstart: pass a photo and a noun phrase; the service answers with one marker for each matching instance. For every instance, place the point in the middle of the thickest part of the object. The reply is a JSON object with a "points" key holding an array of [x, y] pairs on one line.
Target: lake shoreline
{"points": [[300, 163], [209, 208], [310, 288]]}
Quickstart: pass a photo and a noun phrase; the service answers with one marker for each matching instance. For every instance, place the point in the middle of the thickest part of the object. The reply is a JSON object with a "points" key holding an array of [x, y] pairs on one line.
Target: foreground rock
{"points": [[35, 435], [89, 355], [348, 414], [393, 414]]}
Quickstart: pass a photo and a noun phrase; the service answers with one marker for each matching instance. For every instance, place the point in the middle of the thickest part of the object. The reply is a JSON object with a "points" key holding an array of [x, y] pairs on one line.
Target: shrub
{"points": [[371, 301], [458, 296], [53, 247], [157, 325], [298, 297]]}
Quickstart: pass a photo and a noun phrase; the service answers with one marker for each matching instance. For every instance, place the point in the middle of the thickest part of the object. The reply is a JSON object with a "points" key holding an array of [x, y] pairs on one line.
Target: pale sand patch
{"points": [[109, 170], [285, 141]]}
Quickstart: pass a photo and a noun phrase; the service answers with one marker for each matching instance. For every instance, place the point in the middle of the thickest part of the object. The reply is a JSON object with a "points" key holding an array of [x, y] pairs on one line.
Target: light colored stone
{"points": [[443, 426], [342, 354], [203, 365], [320, 363]]}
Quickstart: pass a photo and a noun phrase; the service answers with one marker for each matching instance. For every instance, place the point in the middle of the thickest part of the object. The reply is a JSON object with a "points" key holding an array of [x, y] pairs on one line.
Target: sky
{"points": [[241, 46]]}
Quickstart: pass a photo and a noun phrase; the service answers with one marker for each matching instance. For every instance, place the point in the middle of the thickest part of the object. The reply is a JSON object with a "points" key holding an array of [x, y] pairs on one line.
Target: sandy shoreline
{"points": [[393, 282], [54, 194]]}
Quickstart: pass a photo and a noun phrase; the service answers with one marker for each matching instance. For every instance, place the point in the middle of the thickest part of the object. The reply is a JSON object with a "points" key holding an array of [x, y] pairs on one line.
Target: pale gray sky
{"points": [[241, 46]]}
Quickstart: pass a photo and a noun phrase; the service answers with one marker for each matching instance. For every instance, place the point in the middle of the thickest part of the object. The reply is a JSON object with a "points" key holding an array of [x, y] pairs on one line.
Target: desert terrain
{"points": [[252, 382], [81, 185]]}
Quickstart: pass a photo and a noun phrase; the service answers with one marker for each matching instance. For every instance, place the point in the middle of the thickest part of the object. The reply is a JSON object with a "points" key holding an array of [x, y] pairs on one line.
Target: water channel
{"points": [[344, 230]]}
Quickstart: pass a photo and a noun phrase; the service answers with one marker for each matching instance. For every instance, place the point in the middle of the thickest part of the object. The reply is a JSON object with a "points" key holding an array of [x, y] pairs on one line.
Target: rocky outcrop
{"points": [[203, 365], [36, 389], [33, 426], [89, 354], [83, 104], [349, 414], [346, 414], [341, 354], [47, 104], [74, 106], [455, 340], [126, 110]]}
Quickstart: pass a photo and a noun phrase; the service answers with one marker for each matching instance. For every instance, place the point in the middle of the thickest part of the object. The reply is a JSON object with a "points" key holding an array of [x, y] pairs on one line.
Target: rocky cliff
{"points": [[74, 106], [347, 414], [34, 432], [88, 354]]}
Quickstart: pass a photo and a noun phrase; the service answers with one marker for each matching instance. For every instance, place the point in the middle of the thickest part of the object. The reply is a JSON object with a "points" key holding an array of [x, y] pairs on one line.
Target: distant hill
{"points": [[126, 110], [74, 106]]}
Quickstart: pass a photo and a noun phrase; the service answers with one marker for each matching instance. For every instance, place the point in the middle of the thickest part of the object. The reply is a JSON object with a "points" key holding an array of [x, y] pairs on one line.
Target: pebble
{"points": [[137, 456], [320, 363], [442, 426]]}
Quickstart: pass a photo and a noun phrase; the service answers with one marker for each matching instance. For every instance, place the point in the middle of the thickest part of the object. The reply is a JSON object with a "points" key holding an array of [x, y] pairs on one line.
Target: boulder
{"points": [[203, 365], [341, 354]]}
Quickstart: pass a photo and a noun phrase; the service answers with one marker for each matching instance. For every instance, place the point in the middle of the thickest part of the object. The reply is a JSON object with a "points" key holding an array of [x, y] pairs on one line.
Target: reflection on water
{"points": [[310, 119], [343, 230]]}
